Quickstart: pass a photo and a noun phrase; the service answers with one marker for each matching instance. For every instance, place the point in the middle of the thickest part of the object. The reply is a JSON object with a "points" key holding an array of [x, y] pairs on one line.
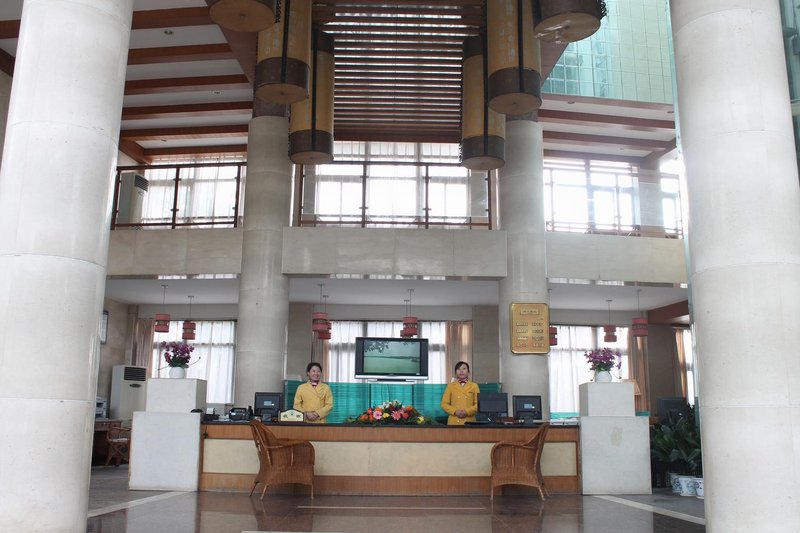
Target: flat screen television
{"points": [[527, 408], [268, 405], [493, 405], [391, 359], [671, 408]]}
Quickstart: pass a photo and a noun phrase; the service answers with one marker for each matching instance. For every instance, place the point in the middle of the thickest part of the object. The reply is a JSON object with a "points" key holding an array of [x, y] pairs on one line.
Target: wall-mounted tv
{"points": [[391, 359]]}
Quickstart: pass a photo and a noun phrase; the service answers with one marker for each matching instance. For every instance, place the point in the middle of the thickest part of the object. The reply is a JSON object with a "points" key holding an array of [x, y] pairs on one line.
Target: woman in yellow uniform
{"points": [[314, 398], [460, 398]]}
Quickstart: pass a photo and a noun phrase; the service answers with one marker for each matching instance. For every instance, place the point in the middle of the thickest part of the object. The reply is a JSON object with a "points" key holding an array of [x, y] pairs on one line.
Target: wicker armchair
{"points": [[281, 461], [516, 463]]}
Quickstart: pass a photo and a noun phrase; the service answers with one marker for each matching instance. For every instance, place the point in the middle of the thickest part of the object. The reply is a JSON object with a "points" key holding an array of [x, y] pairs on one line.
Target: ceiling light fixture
{"points": [[609, 329], [189, 326], [410, 323], [162, 319], [639, 323]]}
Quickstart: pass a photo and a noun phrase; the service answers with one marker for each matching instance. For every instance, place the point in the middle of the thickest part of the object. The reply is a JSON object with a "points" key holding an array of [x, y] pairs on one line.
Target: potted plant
{"points": [[676, 443], [177, 355], [601, 361]]}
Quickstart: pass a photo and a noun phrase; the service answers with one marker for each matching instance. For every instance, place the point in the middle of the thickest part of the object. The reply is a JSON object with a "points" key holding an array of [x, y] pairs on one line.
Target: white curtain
{"points": [[212, 358], [568, 366], [342, 351]]}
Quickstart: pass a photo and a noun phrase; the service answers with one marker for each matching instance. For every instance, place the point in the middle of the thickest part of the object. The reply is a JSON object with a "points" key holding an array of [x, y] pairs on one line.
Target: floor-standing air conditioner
{"points": [[132, 188], [127, 391]]}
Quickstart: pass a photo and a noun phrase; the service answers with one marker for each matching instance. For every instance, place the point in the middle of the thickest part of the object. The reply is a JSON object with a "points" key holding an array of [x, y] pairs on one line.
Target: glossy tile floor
{"points": [[114, 509]]}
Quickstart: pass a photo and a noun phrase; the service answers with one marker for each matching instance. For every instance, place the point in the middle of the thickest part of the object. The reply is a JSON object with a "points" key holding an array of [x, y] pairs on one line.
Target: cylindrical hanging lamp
{"points": [[189, 326], [311, 123], [639, 323], [567, 21], [609, 329], [410, 323], [284, 56], [483, 131], [162, 319], [514, 57], [243, 15]]}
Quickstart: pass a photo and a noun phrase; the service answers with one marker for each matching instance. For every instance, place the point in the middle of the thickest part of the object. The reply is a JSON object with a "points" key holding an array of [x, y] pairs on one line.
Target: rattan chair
{"points": [[282, 461], [119, 444], [516, 463]]}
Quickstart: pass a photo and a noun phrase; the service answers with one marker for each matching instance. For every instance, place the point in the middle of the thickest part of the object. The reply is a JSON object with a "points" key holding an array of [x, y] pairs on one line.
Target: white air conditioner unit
{"points": [[132, 189], [128, 385]]}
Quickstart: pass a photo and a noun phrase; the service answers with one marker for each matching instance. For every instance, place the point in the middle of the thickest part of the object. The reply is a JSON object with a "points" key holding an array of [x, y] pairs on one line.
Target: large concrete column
{"points": [[263, 290], [521, 214], [744, 246], [55, 199]]}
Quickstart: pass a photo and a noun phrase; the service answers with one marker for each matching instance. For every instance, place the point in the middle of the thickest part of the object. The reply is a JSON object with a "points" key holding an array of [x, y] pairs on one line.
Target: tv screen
{"points": [[672, 408], [527, 407], [389, 358], [493, 404]]}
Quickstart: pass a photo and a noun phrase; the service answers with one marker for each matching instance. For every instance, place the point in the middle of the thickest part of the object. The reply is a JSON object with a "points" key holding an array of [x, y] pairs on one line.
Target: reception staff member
{"points": [[460, 398], [314, 398]]}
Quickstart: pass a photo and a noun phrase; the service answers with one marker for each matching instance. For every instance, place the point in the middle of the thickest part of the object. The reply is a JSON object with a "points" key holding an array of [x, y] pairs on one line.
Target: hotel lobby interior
{"points": [[620, 206]]}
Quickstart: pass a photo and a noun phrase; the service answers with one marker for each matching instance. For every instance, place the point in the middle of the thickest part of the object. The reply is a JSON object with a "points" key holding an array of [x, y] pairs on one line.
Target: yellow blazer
{"points": [[457, 396], [310, 398]]}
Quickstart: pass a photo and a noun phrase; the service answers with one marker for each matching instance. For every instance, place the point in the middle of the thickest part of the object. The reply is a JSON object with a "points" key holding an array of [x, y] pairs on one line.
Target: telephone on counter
{"points": [[237, 414]]}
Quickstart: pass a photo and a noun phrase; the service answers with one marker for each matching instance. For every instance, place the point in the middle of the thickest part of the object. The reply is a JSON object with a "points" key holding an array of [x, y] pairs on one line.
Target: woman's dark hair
{"points": [[458, 365], [313, 364]]}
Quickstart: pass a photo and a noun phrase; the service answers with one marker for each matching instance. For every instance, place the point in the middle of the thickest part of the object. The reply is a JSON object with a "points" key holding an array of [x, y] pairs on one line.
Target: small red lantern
{"points": [[189, 328], [553, 335], [610, 333], [639, 327]]}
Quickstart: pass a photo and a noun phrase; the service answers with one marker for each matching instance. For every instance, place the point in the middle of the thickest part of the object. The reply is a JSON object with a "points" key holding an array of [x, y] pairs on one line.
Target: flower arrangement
{"points": [[392, 412], [177, 353], [603, 360]]}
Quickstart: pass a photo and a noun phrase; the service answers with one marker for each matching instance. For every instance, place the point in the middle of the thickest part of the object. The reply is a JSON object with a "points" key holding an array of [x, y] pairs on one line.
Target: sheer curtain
{"points": [[436, 333], [459, 346], [568, 366], [639, 371], [212, 358], [341, 367]]}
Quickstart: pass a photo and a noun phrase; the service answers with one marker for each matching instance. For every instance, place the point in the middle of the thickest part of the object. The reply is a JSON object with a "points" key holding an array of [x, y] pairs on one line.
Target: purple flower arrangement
{"points": [[603, 359], [177, 353]]}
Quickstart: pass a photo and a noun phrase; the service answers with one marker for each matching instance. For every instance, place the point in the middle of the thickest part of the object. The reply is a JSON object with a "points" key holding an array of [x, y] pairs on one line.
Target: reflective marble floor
{"points": [[114, 509]]}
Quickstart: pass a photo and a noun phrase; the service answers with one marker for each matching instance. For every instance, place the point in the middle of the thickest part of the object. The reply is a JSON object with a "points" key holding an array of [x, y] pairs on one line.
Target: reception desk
{"points": [[389, 460]]}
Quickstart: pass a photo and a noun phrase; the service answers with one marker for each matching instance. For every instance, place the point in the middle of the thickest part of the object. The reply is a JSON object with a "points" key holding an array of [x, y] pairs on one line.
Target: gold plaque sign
{"points": [[530, 325]]}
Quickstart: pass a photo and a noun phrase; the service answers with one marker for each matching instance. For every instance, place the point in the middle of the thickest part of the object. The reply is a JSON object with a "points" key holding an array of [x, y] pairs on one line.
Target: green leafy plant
{"points": [[676, 443]]}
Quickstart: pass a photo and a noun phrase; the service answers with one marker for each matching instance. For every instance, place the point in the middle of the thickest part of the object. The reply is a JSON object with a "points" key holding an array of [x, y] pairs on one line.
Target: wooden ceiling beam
{"points": [[369, 58], [388, 32], [432, 10], [399, 136], [391, 88], [382, 38], [400, 71], [612, 121], [188, 132], [405, 48], [171, 18], [177, 54], [418, 23], [134, 151], [186, 110], [7, 62], [196, 150], [591, 140], [199, 83]]}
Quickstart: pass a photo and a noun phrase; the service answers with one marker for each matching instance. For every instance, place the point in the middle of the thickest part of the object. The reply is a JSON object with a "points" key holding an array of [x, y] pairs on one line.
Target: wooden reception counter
{"points": [[405, 460]]}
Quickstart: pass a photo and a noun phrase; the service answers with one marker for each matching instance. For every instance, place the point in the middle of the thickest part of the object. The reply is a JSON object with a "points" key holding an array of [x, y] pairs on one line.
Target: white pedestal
{"points": [[615, 444], [606, 399], [165, 451], [175, 395]]}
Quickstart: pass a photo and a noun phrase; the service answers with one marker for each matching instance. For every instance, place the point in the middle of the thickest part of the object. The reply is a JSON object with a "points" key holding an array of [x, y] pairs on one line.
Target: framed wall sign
{"points": [[530, 323], [104, 327]]}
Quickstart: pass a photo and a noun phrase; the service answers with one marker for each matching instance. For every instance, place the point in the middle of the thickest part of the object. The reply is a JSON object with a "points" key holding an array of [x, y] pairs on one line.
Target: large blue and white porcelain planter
{"points": [[687, 485]]}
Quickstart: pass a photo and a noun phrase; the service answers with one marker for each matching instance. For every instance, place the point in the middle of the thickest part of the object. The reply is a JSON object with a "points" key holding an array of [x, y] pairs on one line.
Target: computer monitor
{"points": [[268, 405], [493, 405], [527, 408], [671, 408]]}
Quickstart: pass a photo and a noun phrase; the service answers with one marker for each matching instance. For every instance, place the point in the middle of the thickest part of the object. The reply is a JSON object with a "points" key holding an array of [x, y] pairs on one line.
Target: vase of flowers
{"points": [[390, 413], [601, 361], [177, 355]]}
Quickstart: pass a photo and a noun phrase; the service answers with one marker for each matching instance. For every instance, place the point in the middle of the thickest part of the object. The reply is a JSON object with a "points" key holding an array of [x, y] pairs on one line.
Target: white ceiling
{"points": [[579, 296]]}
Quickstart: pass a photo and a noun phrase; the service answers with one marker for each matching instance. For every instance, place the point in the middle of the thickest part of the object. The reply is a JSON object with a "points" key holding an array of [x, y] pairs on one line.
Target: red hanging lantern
{"points": [[410, 327], [553, 335], [162, 319], [610, 333], [189, 330], [639, 323]]}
